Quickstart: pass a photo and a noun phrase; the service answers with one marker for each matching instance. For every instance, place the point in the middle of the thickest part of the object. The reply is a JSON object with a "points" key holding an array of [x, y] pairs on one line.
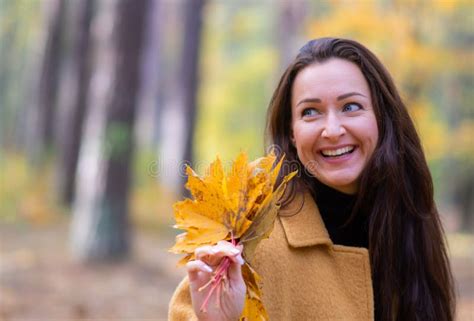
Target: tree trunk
{"points": [[101, 225], [179, 109], [189, 75], [290, 23], [76, 113], [49, 80], [148, 110]]}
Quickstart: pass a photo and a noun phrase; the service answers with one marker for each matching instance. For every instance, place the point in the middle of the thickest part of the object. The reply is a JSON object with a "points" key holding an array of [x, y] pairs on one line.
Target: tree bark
{"points": [[82, 55], [189, 75], [290, 23], [49, 80], [148, 109], [101, 229], [178, 114]]}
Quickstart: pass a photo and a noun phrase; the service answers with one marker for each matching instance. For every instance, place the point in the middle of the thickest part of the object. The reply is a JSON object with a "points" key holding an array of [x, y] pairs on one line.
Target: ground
{"points": [[39, 281]]}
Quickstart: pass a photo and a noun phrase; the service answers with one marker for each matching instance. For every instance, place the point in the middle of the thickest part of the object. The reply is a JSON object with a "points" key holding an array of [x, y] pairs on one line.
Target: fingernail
{"points": [[207, 268], [234, 251], [240, 260]]}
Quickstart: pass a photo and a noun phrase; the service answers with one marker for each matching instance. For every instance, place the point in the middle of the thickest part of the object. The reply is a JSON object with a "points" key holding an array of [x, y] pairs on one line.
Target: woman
{"points": [[373, 246]]}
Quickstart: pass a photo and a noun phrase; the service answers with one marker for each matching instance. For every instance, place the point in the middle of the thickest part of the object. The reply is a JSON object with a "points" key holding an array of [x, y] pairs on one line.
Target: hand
{"points": [[223, 305]]}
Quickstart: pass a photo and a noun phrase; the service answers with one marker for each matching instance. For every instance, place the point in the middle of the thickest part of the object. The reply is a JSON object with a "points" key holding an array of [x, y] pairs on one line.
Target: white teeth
{"points": [[337, 152]]}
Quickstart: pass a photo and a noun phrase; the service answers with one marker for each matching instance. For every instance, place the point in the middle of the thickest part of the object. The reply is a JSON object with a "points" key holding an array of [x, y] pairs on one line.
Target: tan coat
{"points": [[305, 276]]}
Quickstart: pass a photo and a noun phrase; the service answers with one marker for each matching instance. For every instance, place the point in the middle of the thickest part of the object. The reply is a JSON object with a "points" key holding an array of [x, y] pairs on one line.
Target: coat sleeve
{"points": [[180, 307]]}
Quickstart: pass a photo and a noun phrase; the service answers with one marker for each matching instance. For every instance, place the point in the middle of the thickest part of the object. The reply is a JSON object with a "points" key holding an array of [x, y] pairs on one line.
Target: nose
{"points": [[333, 129]]}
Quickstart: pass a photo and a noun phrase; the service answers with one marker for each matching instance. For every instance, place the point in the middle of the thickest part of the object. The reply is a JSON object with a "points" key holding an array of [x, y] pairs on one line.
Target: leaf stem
{"points": [[219, 277]]}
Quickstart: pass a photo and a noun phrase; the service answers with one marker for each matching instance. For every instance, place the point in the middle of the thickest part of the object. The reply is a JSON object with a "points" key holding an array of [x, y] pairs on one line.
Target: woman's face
{"points": [[334, 128]]}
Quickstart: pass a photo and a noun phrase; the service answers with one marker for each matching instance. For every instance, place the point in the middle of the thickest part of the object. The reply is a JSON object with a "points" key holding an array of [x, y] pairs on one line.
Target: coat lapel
{"points": [[303, 224]]}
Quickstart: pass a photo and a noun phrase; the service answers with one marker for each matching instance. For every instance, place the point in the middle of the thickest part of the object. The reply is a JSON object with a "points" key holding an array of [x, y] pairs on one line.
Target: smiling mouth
{"points": [[337, 152]]}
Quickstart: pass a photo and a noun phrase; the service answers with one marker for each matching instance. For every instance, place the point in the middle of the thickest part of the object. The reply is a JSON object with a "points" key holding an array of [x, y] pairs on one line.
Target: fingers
{"points": [[237, 259], [212, 255], [194, 267], [201, 275]]}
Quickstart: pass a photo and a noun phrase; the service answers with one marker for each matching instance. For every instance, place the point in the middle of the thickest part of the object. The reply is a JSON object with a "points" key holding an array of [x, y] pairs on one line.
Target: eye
{"points": [[310, 112], [352, 107]]}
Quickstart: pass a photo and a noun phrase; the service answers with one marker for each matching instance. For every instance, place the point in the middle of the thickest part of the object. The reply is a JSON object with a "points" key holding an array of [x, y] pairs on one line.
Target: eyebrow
{"points": [[354, 93], [341, 97]]}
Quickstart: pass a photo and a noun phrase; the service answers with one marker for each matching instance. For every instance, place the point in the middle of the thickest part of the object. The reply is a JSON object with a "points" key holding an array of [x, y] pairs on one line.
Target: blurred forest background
{"points": [[103, 101]]}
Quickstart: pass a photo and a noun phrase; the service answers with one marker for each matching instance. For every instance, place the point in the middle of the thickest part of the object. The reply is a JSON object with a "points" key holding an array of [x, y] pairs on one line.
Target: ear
{"points": [[292, 138]]}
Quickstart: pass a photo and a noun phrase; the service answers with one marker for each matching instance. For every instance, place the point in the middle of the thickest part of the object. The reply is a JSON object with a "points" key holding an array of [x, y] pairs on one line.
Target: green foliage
{"points": [[20, 32], [117, 140], [237, 65], [25, 194], [426, 45], [151, 203]]}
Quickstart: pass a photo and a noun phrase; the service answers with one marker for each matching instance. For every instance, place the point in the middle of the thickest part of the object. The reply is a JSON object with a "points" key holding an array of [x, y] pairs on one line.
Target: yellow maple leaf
{"points": [[240, 207]]}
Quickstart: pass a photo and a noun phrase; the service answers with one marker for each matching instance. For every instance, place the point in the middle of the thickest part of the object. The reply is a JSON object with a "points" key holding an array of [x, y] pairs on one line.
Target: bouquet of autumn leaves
{"points": [[240, 207]]}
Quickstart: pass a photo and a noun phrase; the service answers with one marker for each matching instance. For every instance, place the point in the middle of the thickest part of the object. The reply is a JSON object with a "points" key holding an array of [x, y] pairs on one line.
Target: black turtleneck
{"points": [[336, 208]]}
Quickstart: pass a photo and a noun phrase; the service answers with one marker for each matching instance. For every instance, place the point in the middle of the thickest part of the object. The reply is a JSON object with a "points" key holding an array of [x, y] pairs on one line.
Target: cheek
{"points": [[305, 141], [368, 132], [374, 135], [300, 138]]}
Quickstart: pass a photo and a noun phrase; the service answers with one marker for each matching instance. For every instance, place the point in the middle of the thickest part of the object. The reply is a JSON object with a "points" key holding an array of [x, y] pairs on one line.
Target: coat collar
{"points": [[302, 222]]}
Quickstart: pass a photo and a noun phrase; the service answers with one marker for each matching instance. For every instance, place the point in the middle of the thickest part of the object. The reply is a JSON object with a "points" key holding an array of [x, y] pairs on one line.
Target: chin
{"points": [[344, 185]]}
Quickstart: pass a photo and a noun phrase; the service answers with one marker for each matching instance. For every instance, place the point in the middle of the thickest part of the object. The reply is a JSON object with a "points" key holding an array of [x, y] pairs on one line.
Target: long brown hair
{"points": [[410, 268]]}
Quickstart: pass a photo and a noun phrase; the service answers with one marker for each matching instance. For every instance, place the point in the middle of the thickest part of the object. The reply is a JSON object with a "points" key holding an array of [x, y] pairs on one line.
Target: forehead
{"points": [[330, 78]]}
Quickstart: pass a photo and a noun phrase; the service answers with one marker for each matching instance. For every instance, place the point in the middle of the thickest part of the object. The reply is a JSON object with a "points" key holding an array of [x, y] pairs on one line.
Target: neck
{"points": [[336, 208]]}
